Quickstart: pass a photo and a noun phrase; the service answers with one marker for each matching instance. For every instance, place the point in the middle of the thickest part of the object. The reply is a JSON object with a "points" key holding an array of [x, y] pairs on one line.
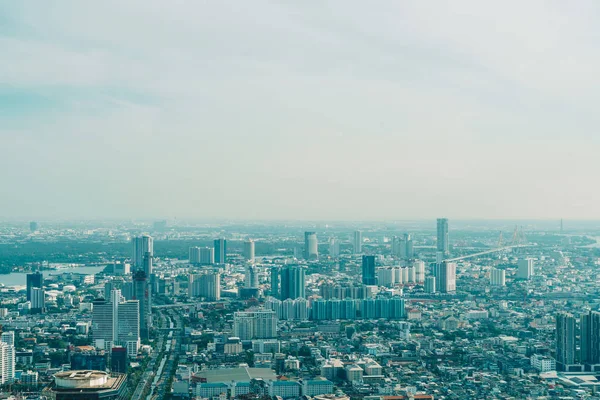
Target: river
{"points": [[20, 278]]}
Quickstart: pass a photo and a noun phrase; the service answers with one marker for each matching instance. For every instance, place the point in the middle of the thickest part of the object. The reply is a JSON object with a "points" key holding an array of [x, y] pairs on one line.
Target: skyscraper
{"points": [[220, 251], [590, 339], [251, 280], [141, 245], [334, 247], [7, 363], [368, 270], [357, 242], [293, 283], [311, 246], [116, 322], [34, 280], [445, 277], [565, 340], [249, 250], [33, 226], [442, 236], [525, 269], [402, 247]]}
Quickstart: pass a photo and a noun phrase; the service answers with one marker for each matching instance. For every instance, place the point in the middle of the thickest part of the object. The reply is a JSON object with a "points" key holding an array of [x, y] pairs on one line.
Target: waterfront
{"points": [[20, 278]]}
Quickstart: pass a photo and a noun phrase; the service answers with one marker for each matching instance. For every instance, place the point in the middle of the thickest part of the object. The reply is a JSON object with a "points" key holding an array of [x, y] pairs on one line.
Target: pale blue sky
{"points": [[299, 110]]}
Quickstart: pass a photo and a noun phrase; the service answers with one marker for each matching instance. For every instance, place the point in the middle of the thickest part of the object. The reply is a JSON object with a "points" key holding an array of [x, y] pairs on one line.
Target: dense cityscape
{"points": [[323, 311]]}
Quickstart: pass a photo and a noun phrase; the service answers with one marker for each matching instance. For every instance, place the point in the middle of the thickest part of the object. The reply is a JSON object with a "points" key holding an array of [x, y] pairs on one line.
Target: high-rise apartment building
{"points": [[249, 250], [334, 247], [293, 282], [402, 247], [443, 244], [255, 324], [357, 242], [565, 341], [445, 277], [368, 270], [311, 246], [498, 277], [141, 293], [525, 269], [205, 285], [220, 246], [7, 363]]}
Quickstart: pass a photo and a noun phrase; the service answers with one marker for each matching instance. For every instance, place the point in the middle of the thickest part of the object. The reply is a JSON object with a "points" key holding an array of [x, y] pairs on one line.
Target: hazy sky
{"points": [[299, 109]]}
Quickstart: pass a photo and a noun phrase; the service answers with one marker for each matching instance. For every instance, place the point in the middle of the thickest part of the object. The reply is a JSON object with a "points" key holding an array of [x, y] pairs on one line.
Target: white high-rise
{"points": [[525, 269], [257, 324], [205, 285], [498, 277], [116, 322], [445, 277], [419, 267], [7, 363]]}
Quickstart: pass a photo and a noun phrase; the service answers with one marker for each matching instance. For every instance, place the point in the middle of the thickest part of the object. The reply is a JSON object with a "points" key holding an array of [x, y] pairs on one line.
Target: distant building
{"points": [[249, 250], [590, 340], [116, 323], [311, 246], [525, 269], [34, 280], [443, 245], [38, 300], [445, 277], [357, 242], [565, 341], [141, 245], [206, 285], [255, 324], [368, 270], [498, 277], [220, 246], [118, 360], [7, 358], [430, 284], [202, 255], [293, 282], [275, 282], [33, 226]]}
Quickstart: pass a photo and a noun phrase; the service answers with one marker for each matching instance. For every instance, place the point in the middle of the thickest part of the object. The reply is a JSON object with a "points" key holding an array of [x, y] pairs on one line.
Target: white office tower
{"points": [[7, 363], [419, 267], [205, 285], [498, 277], [445, 277], [249, 251], [116, 323], [141, 245], [525, 269], [357, 242], [256, 324], [334, 247], [430, 284], [386, 277]]}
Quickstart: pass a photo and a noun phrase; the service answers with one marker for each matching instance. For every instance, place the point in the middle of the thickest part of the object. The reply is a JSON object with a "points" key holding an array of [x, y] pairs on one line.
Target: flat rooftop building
{"points": [[86, 385]]}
